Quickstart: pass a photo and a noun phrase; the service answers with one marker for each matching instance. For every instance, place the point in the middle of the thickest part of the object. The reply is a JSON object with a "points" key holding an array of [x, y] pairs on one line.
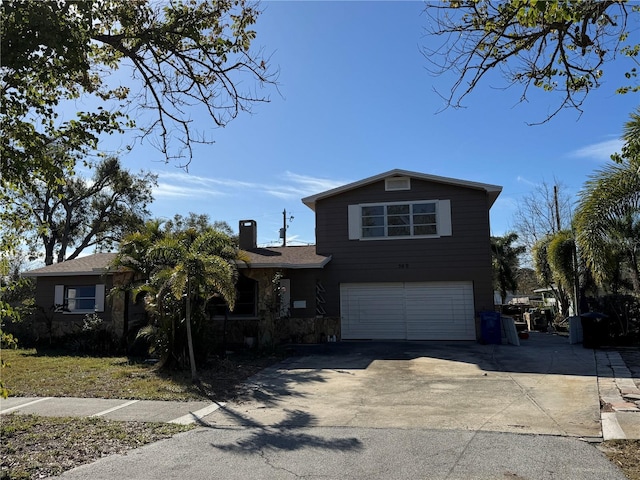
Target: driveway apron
{"points": [[545, 386]]}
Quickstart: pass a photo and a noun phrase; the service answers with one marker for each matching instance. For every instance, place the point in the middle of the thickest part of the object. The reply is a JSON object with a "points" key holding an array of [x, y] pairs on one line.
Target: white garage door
{"points": [[407, 311]]}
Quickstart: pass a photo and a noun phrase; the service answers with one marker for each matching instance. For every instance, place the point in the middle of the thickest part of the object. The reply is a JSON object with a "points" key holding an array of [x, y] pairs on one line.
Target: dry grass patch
{"points": [[625, 454], [38, 447]]}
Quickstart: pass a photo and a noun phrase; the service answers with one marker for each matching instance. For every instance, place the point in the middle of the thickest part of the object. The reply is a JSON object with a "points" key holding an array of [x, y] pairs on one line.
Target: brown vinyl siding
{"points": [[463, 256], [303, 287]]}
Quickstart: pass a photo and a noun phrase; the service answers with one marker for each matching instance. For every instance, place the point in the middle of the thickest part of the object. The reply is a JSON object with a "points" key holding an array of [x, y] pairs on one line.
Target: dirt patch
{"points": [[625, 454]]}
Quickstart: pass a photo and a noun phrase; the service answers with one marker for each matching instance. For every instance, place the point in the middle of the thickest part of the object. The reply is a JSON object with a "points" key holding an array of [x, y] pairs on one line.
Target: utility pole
{"points": [[555, 201], [283, 230], [284, 227]]}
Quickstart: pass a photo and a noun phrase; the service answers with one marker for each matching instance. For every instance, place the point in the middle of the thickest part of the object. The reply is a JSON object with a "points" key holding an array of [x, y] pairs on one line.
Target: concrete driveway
{"points": [[402, 410], [545, 386]]}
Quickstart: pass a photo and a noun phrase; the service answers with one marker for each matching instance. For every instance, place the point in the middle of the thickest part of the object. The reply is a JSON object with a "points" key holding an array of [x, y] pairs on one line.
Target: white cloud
{"points": [[204, 181], [599, 151], [166, 190], [526, 181], [286, 193], [287, 186], [311, 185], [183, 185]]}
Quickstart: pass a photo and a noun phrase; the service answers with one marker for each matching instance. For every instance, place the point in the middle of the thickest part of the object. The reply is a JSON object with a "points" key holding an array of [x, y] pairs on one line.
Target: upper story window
{"points": [[80, 298], [424, 218]]}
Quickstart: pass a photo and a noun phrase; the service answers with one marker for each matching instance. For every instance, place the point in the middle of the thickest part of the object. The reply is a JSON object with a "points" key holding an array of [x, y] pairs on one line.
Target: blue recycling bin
{"points": [[490, 328]]}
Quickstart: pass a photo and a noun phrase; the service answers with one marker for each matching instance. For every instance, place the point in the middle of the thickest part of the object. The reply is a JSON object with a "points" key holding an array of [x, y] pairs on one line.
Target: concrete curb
{"points": [[615, 386]]}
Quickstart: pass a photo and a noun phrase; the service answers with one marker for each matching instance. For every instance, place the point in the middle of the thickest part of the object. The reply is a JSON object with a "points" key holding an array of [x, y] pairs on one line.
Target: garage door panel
{"points": [[413, 311], [375, 313]]}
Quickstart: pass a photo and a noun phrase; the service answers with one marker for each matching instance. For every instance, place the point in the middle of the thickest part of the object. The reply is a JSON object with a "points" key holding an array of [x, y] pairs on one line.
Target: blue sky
{"points": [[355, 99]]}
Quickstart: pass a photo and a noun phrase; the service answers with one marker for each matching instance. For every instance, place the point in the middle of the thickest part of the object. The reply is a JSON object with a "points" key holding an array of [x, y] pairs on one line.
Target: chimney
{"points": [[248, 236]]}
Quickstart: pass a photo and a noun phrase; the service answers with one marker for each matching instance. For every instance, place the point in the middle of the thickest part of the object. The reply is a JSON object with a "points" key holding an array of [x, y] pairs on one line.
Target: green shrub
{"points": [[94, 338], [7, 340]]}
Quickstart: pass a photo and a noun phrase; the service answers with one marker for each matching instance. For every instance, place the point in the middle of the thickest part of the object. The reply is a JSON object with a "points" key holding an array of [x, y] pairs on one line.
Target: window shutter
{"points": [[100, 298], [444, 218], [58, 296], [355, 222]]}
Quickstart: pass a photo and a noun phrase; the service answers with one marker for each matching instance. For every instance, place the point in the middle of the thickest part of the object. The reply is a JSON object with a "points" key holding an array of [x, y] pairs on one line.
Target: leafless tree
{"points": [[547, 209]]}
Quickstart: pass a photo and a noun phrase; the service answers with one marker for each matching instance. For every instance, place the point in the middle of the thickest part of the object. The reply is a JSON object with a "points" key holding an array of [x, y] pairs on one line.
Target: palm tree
{"points": [[192, 267], [608, 214], [563, 261], [505, 263], [547, 275], [131, 260]]}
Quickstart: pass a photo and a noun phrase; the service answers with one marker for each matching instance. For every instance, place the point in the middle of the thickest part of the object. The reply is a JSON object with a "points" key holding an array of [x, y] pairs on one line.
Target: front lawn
{"points": [[32, 373]]}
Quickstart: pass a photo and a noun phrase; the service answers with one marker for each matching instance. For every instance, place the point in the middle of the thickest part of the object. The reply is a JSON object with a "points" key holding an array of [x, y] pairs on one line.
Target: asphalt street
{"points": [[338, 453]]}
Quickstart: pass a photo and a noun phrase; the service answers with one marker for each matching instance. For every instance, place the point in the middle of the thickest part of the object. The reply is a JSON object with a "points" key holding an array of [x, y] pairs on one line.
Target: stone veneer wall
{"points": [[267, 329], [285, 330]]}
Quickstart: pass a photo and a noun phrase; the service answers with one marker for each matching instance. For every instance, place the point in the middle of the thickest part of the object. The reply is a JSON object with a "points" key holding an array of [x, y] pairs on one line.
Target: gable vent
{"points": [[397, 183]]}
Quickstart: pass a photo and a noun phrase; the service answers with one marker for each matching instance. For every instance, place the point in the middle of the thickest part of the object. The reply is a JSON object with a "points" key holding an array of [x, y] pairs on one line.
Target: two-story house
{"points": [[400, 255]]}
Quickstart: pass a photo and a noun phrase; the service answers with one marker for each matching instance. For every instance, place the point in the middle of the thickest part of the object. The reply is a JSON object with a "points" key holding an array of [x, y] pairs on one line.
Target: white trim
{"points": [[442, 212], [251, 265], [99, 299], [93, 273], [492, 191]]}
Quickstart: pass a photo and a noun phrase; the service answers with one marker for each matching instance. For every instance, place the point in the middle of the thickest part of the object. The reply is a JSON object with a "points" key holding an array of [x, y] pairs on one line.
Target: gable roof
{"points": [[285, 257], [492, 190], [96, 264]]}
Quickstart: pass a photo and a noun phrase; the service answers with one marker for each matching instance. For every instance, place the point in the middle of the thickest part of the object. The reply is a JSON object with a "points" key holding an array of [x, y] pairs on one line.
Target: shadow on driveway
{"points": [[545, 386], [542, 354]]}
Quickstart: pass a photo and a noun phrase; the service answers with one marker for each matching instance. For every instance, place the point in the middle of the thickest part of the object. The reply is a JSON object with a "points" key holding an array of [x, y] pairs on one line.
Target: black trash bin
{"points": [[595, 329]]}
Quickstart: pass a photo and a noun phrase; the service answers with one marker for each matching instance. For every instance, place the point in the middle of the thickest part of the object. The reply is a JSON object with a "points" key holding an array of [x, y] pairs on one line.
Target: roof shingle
{"points": [[286, 257], [95, 264]]}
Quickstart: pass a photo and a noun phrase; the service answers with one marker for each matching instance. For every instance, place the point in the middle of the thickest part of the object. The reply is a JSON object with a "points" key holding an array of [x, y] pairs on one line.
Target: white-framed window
{"points": [[411, 219], [79, 298]]}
